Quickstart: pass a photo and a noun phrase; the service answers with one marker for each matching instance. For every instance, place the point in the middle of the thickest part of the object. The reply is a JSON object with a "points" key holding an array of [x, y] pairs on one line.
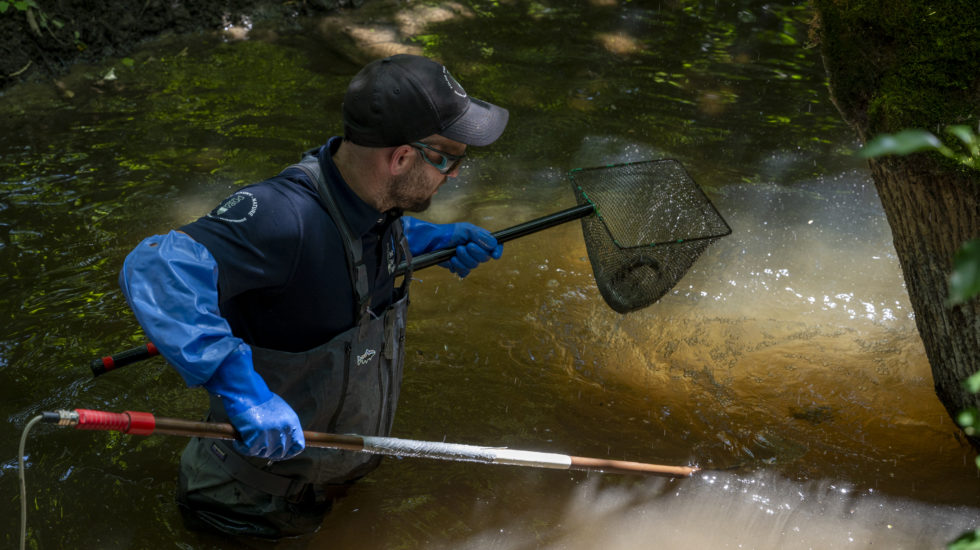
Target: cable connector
{"points": [[60, 417]]}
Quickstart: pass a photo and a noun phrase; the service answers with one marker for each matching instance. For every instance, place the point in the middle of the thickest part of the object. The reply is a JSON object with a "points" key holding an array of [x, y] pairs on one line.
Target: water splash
{"points": [[720, 510]]}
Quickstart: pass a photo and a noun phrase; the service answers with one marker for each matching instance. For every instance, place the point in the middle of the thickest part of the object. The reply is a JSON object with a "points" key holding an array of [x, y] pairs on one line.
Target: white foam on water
{"points": [[723, 510]]}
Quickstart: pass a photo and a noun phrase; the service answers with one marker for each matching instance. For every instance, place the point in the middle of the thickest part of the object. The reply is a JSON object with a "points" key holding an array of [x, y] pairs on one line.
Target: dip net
{"points": [[651, 223]]}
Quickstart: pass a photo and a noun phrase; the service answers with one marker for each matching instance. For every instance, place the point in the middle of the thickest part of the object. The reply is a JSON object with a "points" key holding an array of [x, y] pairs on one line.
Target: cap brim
{"points": [[481, 124]]}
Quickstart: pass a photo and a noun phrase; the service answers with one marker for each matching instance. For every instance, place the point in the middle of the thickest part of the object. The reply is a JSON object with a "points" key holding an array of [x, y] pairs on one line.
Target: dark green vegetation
{"points": [[898, 65], [42, 38]]}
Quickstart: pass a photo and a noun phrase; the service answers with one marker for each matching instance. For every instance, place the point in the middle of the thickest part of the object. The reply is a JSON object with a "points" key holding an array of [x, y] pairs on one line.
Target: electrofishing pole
{"points": [[144, 423]]}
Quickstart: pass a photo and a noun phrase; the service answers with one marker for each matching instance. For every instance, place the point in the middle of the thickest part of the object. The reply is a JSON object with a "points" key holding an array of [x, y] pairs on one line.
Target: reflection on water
{"points": [[785, 363]]}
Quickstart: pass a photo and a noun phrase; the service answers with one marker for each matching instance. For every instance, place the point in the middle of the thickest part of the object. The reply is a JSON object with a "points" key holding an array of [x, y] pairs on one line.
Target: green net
{"points": [[651, 223]]}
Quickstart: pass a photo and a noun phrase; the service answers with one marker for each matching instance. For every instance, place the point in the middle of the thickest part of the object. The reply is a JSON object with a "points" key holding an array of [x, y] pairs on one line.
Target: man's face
{"points": [[414, 190]]}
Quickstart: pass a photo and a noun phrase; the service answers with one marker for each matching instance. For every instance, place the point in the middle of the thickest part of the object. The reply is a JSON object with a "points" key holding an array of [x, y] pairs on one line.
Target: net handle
{"points": [[527, 228]]}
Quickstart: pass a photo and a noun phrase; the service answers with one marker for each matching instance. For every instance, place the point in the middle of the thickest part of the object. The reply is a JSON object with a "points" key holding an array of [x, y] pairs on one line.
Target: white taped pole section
{"points": [[499, 455], [531, 458], [465, 453]]}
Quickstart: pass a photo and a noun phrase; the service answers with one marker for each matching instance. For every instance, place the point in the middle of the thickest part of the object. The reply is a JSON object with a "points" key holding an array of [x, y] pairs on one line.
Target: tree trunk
{"points": [[898, 65], [931, 215]]}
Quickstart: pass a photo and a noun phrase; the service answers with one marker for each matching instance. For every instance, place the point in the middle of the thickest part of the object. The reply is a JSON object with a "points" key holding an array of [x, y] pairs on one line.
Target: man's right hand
{"points": [[171, 283], [267, 426], [268, 430]]}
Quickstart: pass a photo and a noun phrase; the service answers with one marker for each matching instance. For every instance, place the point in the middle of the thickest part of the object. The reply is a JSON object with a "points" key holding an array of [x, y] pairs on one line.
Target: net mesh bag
{"points": [[651, 222]]}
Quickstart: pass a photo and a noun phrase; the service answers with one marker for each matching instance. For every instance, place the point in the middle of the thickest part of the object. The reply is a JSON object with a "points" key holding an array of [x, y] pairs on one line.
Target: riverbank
{"points": [[39, 41]]}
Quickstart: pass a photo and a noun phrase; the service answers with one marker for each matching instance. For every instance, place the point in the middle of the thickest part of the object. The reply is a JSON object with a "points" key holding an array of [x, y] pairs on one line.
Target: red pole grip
{"points": [[140, 423], [129, 422]]}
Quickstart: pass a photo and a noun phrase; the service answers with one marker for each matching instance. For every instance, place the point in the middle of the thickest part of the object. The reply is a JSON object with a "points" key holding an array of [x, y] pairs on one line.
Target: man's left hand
{"points": [[474, 245], [479, 247]]}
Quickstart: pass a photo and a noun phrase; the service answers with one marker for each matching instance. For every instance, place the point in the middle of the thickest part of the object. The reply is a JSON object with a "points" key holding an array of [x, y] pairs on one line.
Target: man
{"points": [[282, 304]]}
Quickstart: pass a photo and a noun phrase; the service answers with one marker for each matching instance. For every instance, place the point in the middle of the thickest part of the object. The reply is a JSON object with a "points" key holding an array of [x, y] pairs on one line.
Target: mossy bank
{"points": [[41, 39]]}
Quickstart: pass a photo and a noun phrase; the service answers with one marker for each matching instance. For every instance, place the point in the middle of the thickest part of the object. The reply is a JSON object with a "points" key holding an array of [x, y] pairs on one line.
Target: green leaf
{"points": [[967, 136], [973, 383], [964, 133], [902, 143], [964, 281], [4, 6], [127, 61], [967, 541], [967, 418]]}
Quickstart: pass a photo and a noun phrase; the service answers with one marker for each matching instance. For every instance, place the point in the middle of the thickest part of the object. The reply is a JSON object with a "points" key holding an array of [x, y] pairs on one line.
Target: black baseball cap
{"points": [[404, 98]]}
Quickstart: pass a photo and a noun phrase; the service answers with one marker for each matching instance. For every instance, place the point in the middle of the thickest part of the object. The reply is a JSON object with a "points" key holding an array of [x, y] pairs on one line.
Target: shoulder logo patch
{"points": [[237, 208]]}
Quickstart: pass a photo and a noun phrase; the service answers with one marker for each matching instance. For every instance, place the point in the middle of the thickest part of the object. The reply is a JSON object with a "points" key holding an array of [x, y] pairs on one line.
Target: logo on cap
{"points": [[453, 85]]}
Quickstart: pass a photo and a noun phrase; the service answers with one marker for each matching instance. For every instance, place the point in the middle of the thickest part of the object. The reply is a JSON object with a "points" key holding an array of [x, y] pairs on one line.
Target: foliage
{"points": [[30, 8], [964, 282], [22, 5], [967, 541], [931, 78], [913, 141]]}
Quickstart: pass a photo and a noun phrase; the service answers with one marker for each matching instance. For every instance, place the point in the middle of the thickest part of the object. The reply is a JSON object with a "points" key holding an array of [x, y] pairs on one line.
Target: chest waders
{"points": [[349, 384]]}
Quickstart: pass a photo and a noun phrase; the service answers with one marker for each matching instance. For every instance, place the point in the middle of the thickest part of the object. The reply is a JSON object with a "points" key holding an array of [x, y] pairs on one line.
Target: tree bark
{"points": [[931, 214], [898, 65]]}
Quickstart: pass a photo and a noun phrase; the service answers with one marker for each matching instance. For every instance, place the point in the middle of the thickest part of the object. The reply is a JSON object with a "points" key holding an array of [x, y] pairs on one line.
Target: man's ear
{"points": [[401, 160]]}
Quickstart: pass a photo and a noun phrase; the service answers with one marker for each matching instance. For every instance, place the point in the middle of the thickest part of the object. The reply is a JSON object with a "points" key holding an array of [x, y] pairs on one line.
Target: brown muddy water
{"points": [[785, 364]]}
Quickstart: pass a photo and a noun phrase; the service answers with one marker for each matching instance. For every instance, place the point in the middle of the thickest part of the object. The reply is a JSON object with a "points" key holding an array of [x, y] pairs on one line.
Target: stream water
{"points": [[785, 364]]}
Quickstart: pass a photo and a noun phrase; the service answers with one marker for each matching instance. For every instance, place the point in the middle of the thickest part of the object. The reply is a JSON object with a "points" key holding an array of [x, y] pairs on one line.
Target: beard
{"points": [[410, 192]]}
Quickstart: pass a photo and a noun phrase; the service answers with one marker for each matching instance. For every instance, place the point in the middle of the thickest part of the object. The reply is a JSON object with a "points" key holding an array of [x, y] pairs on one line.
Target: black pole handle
{"points": [[105, 364], [422, 261], [429, 259]]}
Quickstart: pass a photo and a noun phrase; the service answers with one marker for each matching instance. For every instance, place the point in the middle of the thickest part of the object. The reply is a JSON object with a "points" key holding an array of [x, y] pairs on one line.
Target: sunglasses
{"points": [[447, 163]]}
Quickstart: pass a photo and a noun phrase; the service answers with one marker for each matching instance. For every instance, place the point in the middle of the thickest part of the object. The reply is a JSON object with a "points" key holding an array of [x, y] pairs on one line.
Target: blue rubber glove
{"points": [[474, 245], [171, 284], [267, 425]]}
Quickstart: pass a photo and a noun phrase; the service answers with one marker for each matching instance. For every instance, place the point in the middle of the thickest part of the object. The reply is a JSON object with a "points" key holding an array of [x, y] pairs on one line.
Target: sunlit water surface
{"points": [[785, 364]]}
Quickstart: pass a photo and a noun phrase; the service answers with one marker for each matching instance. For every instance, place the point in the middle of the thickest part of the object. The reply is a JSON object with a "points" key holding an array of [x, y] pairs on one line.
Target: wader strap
{"points": [[398, 232], [310, 165], [242, 470]]}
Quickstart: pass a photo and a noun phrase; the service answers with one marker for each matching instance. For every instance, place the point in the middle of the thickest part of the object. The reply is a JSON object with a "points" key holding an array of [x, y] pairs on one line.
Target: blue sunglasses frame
{"points": [[446, 165]]}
